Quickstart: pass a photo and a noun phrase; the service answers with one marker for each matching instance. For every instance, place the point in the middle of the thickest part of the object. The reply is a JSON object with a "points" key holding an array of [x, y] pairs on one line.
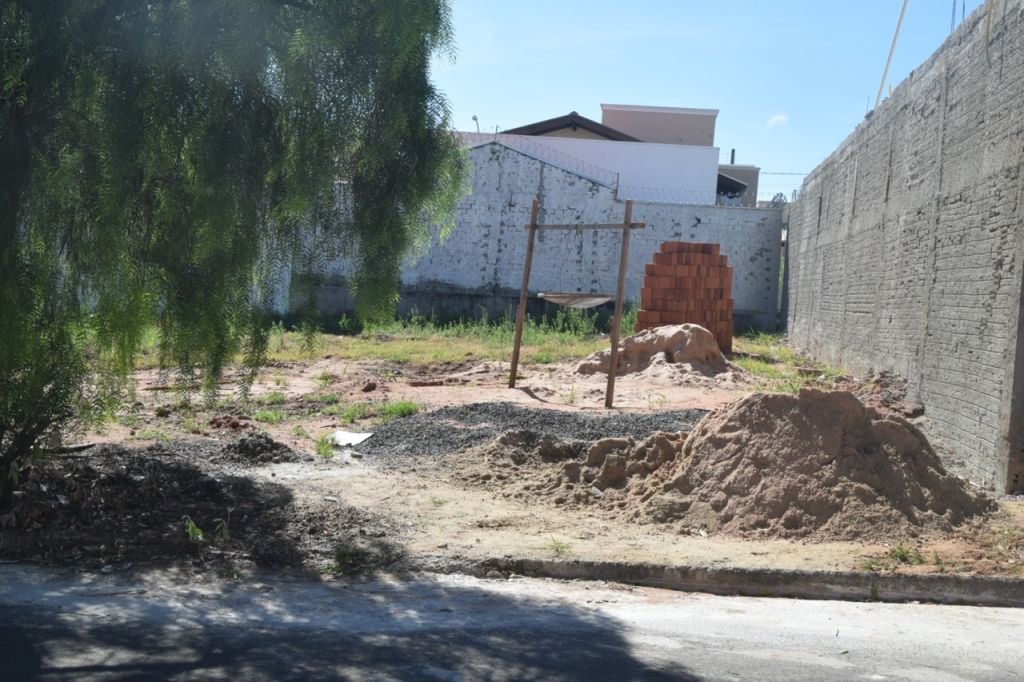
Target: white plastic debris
{"points": [[347, 439]]}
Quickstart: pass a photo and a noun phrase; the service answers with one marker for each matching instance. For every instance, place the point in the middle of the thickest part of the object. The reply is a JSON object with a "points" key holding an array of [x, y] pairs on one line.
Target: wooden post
{"points": [[521, 313], [609, 394]]}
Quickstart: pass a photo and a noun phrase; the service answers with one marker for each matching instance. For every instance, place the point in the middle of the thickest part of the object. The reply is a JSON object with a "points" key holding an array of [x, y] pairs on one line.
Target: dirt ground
{"points": [[347, 513]]}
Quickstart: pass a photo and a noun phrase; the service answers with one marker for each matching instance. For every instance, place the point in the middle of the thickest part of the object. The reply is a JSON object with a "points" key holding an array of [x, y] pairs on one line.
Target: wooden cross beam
{"points": [[588, 226], [627, 226]]}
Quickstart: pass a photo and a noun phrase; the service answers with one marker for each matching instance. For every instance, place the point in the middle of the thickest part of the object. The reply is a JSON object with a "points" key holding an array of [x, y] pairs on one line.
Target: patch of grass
{"points": [[655, 401], [354, 412], [420, 341], [273, 398], [325, 398], [906, 555], [1011, 541], [628, 322], [277, 336], [325, 379], [543, 357], [272, 417], [348, 560], [300, 431], [193, 424], [325, 446], [152, 434], [438, 502], [557, 547], [194, 532], [130, 420], [385, 412], [776, 367]]}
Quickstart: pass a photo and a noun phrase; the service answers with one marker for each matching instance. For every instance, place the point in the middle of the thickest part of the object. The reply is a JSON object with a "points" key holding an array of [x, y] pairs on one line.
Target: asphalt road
{"points": [[56, 626]]}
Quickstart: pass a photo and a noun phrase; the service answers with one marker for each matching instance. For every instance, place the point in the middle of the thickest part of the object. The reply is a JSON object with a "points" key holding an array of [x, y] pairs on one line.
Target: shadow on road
{"points": [[421, 629]]}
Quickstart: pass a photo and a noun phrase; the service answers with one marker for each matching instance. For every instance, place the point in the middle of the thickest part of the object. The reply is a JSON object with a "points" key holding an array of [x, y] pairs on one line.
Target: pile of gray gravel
{"points": [[259, 448], [449, 429]]}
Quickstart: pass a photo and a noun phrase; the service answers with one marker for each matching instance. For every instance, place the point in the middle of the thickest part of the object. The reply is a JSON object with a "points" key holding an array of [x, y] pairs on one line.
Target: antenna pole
{"points": [[892, 49]]}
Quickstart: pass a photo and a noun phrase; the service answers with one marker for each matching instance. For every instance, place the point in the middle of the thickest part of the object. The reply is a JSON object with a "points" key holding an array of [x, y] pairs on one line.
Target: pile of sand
{"points": [[613, 473], [815, 465], [686, 347]]}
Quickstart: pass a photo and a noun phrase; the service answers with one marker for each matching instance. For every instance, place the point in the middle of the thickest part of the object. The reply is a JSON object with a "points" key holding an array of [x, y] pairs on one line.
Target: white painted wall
{"points": [[646, 171], [484, 255]]}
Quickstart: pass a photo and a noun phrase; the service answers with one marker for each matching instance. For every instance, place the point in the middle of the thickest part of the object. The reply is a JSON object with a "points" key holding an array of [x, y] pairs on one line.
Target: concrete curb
{"points": [[758, 582]]}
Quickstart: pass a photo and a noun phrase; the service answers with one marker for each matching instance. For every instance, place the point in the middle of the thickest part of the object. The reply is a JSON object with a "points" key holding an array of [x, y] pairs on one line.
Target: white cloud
{"points": [[776, 120]]}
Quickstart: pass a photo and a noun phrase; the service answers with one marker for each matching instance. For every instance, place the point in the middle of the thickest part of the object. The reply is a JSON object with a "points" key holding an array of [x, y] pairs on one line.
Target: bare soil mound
{"points": [[817, 465], [116, 506], [686, 347], [259, 448], [611, 473]]}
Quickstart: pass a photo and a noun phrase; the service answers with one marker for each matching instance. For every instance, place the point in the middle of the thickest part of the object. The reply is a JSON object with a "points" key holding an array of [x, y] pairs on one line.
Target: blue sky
{"points": [[791, 78]]}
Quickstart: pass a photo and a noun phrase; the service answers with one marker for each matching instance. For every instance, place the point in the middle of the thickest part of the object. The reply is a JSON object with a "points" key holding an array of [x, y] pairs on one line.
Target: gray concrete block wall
{"points": [[482, 259], [906, 245]]}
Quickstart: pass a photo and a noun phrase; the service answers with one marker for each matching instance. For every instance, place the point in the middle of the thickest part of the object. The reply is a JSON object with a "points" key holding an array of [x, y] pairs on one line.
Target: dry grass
{"points": [[776, 367]]}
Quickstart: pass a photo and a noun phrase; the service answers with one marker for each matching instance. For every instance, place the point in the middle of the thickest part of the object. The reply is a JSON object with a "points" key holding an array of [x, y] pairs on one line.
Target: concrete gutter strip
{"points": [[759, 582]]}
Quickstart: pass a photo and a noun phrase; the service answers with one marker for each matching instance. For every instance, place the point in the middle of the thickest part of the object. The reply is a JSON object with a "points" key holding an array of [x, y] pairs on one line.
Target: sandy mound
{"points": [[817, 465], [688, 346], [612, 472]]}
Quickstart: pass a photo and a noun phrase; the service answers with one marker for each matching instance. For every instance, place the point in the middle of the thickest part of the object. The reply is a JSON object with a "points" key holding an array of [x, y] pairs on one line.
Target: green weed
{"points": [[557, 547], [152, 434], [272, 417], [194, 532], [385, 412], [353, 413], [325, 446], [906, 555], [351, 560]]}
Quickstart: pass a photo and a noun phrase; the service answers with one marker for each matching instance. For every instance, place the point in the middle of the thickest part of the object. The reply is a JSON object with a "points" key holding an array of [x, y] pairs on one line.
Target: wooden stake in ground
{"points": [[521, 313], [609, 393], [626, 225]]}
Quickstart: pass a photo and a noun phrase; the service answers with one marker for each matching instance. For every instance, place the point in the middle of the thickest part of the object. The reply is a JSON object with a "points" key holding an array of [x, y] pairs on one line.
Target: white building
{"points": [[648, 153]]}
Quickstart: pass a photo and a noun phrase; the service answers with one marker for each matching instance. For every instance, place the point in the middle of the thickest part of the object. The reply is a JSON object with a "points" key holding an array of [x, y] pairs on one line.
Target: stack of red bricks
{"points": [[688, 283]]}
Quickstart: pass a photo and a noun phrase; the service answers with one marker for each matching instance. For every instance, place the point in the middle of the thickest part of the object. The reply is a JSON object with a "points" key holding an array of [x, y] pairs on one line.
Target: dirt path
{"points": [[448, 522]]}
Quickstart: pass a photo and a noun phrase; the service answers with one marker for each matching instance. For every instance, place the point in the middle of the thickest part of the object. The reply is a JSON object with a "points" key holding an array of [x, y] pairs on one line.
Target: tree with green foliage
{"points": [[162, 162]]}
